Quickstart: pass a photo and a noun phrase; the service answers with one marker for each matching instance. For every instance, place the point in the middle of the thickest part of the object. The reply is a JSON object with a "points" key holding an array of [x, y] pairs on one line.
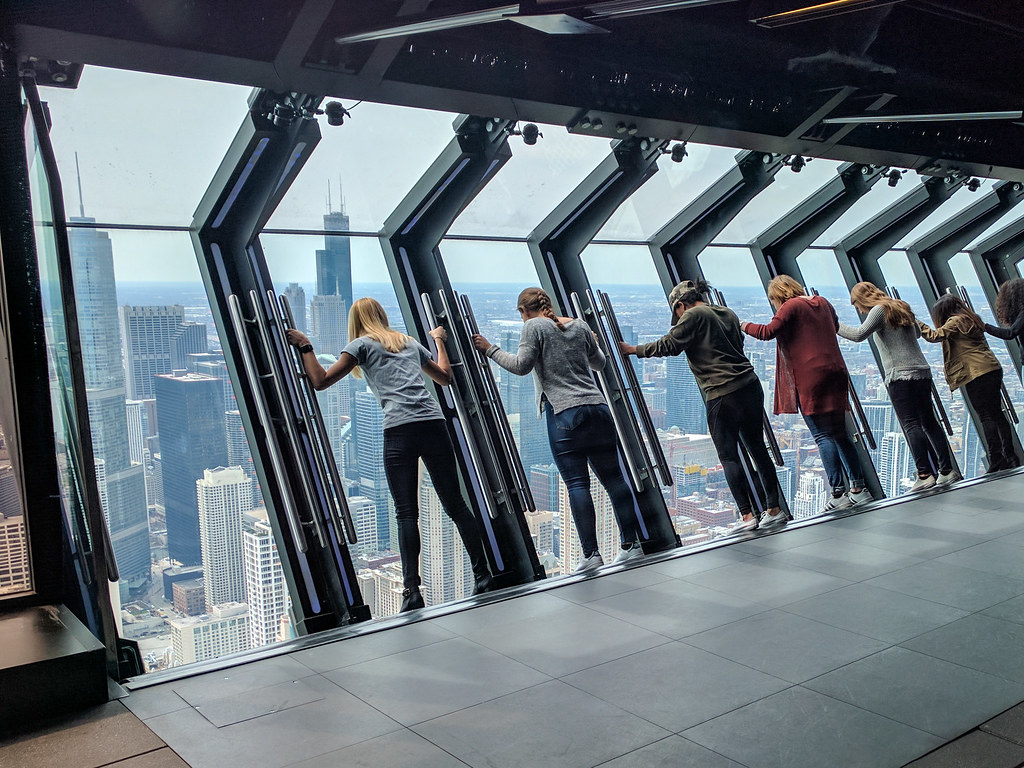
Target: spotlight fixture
{"points": [[283, 115], [973, 185], [679, 152], [336, 113], [893, 176], [529, 132], [796, 163]]}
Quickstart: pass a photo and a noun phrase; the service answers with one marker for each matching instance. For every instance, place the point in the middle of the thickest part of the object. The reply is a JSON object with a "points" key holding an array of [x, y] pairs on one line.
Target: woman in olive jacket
{"points": [[970, 363]]}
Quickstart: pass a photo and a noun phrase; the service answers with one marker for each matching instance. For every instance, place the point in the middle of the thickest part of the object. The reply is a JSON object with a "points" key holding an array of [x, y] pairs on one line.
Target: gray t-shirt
{"points": [[396, 380], [561, 362]]}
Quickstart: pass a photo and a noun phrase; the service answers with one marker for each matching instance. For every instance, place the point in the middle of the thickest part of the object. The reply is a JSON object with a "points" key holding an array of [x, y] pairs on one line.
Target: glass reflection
{"points": [[958, 201]]}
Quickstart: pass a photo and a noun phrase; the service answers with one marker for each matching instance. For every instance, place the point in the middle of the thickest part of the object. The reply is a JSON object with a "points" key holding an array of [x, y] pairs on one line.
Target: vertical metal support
{"points": [[930, 256], [556, 245], [410, 240], [777, 249]]}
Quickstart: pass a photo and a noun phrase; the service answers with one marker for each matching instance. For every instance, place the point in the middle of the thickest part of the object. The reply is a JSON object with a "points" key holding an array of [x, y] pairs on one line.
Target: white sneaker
{"points": [[861, 497], [953, 476], [745, 525], [838, 502], [923, 483], [625, 555], [779, 518], [589, 563]]}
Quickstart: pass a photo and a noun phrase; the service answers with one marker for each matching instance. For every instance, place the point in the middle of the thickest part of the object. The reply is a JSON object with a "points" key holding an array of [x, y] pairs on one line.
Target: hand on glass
{"points": [[438, 334], [296, 338], [626, 349], [481, 343]]}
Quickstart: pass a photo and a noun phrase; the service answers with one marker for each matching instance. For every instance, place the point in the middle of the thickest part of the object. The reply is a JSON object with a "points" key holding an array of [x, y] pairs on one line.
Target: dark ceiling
{"points": [[704, 72]]}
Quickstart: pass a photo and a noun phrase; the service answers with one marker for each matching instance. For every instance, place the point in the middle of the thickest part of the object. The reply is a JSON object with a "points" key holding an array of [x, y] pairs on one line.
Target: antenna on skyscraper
{"points": [[341, 196], [328, 195], [81, 202]]}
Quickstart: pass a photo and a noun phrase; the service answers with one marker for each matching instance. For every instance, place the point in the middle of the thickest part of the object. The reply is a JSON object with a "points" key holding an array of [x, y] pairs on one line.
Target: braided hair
{"points": [[537, 300]]}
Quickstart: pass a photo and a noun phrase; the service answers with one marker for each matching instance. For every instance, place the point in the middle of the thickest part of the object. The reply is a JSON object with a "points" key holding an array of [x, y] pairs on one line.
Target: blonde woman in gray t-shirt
{"points": [[561, 352], [414, 429]]}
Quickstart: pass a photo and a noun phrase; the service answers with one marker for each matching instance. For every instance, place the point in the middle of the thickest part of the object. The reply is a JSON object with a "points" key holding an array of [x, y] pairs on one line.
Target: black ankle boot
{"points": [[483, 583], [411, 599]]}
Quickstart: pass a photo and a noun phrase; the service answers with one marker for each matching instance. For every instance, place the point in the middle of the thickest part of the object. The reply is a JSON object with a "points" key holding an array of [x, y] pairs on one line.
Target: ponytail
{"points": [[537, 300]]}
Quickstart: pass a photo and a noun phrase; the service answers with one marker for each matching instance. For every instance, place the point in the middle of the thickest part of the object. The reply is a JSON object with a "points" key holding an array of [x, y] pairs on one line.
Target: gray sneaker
{"points": [[625, 555], [861, 497], [589, 563], [780, 518], [953, 476], [923, 484], [838, 502]]}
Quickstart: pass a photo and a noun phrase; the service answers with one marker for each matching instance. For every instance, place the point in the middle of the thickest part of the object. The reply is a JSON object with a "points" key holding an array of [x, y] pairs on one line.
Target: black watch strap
{"points": [[306, 348]]}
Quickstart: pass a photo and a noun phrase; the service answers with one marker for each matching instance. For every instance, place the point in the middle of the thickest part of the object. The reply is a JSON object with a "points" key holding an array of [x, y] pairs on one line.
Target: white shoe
{"points": [[923, 483], [838, 502], [953, 476], [861, 497], [625, 555], [779, 518], [745, 525], [589, 563]]}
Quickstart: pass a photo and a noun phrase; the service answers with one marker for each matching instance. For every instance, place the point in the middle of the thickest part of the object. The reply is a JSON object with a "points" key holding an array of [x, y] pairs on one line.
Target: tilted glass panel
{"points": [[1012, 215], [147, 145], [355, 422], [959, 200], [360, 171], [895, 266], [491, 275], [668, 192], [781, 196], [869, 205], [531, 184], [200, 575]]}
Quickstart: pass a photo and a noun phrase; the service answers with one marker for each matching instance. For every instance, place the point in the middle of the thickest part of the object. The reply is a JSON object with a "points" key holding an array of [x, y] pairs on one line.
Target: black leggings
{"points": [[912, 401], [404, 445], [985, 393], [740, 415]]}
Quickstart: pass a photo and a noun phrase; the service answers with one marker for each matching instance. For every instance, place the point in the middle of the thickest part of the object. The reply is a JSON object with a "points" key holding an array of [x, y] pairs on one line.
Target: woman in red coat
{"points": [[810, 376]]}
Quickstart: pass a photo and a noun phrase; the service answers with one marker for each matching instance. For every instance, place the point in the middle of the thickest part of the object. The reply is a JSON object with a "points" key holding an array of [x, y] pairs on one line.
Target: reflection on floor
{"points": [[866, 641]]}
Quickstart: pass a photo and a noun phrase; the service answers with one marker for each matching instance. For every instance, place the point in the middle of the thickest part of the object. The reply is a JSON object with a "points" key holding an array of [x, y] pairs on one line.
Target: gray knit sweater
{"points": [[901, 355], [561, 362]]}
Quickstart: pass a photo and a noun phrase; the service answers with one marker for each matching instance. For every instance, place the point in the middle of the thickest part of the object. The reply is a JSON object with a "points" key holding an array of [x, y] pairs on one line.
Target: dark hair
{"points": [[699, 292], [950, 304], [537, 300], [1010, 301]]}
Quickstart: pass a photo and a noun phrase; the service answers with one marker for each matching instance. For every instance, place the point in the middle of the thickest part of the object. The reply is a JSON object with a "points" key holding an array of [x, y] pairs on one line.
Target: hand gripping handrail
{"points": [[277, 380], [324, 455], [632, 383], [273, 449], [861, 421], [508, 442], [602, 380], [460, 409]]}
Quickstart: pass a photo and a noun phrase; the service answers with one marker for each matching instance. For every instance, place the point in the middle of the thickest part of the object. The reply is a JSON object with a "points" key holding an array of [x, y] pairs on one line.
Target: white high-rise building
{"points": [[364, 516], [136, 412], [328, 322], [15, 575], [895, 463], [224, 630], [811, 495], [265, 589], [146, 339], [224, 495], [444, 562], [571, 550]]}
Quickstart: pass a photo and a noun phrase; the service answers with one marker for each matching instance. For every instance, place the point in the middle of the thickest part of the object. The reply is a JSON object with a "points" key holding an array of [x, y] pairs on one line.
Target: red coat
{"points": [[810, 374]]}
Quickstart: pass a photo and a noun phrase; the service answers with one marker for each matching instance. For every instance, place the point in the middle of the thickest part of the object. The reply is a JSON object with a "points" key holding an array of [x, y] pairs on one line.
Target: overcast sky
{"points": [[149, 145]]}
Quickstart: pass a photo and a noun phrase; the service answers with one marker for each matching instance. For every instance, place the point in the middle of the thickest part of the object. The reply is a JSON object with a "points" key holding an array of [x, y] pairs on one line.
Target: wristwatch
{"points": [[306, 348]]}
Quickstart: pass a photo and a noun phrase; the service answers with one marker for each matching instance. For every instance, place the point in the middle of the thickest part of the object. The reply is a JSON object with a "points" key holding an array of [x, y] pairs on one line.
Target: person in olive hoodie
{"points": [[711, 338], [970, 363]]}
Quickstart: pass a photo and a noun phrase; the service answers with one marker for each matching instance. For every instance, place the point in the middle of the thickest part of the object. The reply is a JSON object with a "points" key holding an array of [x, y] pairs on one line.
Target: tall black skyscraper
{"points": [[334, 261], [192, 439]]}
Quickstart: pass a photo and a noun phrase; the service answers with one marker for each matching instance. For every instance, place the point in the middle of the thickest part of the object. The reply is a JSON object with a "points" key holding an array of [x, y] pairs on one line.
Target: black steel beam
{"points": [[556, 245], [410, 239]]}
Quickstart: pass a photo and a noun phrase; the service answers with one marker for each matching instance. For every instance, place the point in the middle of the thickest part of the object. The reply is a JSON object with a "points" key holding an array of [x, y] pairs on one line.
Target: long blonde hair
{"points": [[866, 295], [537, 300], [368, 318], [782, 288]]}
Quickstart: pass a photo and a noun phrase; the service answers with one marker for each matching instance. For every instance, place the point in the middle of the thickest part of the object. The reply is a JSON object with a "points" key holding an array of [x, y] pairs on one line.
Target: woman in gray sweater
{"points": [[561, 352], [907, 377]]}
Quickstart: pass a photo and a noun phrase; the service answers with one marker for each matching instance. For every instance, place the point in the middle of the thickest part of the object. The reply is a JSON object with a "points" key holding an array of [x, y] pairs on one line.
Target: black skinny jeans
{"points": [[404, 445], [912, 401], [739, 415], [985, 395]]}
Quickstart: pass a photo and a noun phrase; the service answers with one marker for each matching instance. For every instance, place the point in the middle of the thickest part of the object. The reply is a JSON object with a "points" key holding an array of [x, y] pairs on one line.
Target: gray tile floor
{"points": [[866, 641]]}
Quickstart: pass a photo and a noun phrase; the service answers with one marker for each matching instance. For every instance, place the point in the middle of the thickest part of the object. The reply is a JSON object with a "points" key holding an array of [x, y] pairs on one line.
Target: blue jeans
{"points": [[581, 436], [836, 449]]}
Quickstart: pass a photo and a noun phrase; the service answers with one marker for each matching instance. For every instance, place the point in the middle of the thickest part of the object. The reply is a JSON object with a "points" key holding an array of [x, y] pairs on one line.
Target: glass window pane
{"points": [[1005, 220], [669, 191], [959, 200], [531, 184], [364, 168], [147, 145], [876, 200], [785, 193]]}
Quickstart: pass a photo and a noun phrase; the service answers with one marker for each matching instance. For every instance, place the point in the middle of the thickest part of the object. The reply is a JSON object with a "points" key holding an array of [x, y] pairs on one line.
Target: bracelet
{"points": [[491, 350], [306, 348]]}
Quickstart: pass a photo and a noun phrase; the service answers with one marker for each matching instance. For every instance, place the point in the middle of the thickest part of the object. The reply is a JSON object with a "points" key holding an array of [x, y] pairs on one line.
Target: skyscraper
{"points": [[239, 454], [444, 563], [519, 397], [92, 259], [895, 462], [373, 483], [265, 589], [146, 335], [224, 495], [364, 517], [296, 297], [334, 261], [188, 339], [684, 406], [192, 439]]}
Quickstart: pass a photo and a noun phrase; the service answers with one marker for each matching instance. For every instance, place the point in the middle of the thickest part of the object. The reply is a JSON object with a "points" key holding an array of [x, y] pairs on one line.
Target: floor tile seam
{"points": [[515, 661], [623, 592], [413, 726], [1002, 576], [937, 602], [957, 663], [361, 700], [722, 592], [381, 735], [788, 683], [123, 760], [845, 629], [691, 741], [375, 658]]}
